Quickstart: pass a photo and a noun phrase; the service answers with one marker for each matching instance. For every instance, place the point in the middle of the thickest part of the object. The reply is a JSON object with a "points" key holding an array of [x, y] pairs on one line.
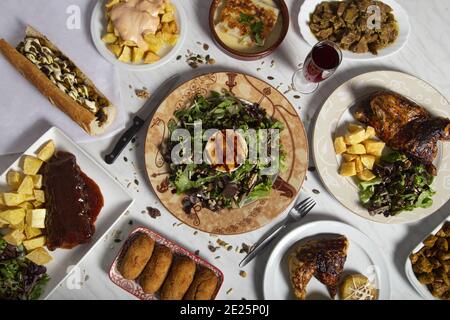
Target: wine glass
{"points": [[321, 62]]}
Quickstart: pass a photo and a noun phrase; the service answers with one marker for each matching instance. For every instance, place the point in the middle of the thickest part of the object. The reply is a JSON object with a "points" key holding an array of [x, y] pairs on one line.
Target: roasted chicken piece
{"points": [[405, 126], [323, 259]]}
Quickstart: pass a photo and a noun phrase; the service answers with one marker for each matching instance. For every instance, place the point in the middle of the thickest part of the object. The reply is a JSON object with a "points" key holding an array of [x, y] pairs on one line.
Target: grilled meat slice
{"points": [[324, 259], [405, 126]]}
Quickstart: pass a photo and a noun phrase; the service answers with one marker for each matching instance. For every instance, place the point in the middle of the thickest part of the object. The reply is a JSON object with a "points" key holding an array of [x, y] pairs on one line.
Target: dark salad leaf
{"points": [[401, 185], [201, 183], [20, 278]]}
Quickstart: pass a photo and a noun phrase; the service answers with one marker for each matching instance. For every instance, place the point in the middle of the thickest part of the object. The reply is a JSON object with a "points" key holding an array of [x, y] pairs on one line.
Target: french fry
{"points": [[125, 56], [348, 169], [13, 179], [356, 149], [39, 256], [26, 186]]}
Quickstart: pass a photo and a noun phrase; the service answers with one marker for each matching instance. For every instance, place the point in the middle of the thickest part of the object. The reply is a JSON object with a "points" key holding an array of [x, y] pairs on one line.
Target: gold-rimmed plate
{"points": [[338, 111], [293, 138]]}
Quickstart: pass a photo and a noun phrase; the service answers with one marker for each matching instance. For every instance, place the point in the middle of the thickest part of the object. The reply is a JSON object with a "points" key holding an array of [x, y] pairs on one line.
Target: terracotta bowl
{"points": [[284, 15]]}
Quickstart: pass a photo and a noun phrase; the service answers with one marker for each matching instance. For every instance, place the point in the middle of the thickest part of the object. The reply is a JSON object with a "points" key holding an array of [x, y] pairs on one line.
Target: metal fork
{"points": [[299, 211]]}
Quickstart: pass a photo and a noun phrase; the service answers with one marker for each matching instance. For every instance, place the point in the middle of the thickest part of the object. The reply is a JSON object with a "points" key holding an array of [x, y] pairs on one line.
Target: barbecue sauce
{"points": [[73, 202]]}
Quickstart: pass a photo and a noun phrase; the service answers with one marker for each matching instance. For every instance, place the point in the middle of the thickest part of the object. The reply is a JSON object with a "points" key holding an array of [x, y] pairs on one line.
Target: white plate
{"points": [[98, 26], [420, 288], [116, 202], [401, 16], [336, 113], [363, 257]]}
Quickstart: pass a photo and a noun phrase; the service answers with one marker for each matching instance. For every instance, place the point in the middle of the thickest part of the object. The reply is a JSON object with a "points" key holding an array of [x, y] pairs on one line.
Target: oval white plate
{"points": [[363, 257], [334, 115], [401, 16], [98, 25], [420, 288]]}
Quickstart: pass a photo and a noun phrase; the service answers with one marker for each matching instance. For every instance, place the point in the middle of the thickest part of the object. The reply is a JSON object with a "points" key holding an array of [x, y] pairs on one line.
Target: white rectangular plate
{"points": [[116, 201]]}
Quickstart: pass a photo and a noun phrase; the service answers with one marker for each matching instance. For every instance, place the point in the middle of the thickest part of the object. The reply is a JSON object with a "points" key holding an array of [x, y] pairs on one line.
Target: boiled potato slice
{"points": [[111, 3], [3, 223], [34, 243], [150, 57], [110, 27], [14, 237], [368, 161], [356, 137], [36, 218], [27, 185], [374, 147], [13, 216], [39, 256], [39, 195], [349, 157], [167, 17], [109, 38], [37, 181], [169, 8], [20, 226], [13, 199], [170, 38], [31, 165], [339, 145], [31, 232], [370, 132], [138, 54], [37, 204], [26, 205], [366, 175], [173, 27], [116, 49], [352, 127], [356, 149], [47, 151], [13, 179], [348, 169], [358, 165], [125, 56]]}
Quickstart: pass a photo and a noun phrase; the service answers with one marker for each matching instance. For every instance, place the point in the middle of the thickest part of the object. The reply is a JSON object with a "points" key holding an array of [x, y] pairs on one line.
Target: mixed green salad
{"points": [[400, 185], [20, 278], [202, 183]]}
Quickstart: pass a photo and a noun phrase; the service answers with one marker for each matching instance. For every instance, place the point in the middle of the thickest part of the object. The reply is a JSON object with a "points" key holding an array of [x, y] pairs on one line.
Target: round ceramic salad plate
{"points": [[363, 257], [400, 14], [256, 213], [338, 111]]}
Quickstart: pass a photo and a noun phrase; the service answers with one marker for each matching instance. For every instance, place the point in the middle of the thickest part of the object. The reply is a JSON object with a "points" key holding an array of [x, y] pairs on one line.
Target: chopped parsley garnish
{"points": [[256, 27]]}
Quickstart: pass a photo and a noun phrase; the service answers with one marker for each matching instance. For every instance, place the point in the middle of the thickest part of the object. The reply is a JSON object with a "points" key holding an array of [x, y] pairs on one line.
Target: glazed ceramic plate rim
{"points": [[420, 288], [92, 169], [325, 227], [219, 80], [175, 249], [330, 116], [98, 25], [401, 15]]}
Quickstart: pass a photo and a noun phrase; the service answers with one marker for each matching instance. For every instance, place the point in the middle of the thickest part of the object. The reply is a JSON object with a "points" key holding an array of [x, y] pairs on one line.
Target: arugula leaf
{"points": [[245, 18]]}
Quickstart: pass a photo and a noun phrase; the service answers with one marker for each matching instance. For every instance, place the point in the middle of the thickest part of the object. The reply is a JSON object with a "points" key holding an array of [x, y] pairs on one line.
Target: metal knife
{"points": [[145, 114]]}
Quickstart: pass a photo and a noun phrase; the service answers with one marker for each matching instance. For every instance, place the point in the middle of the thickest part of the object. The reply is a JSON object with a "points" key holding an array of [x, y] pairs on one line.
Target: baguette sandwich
{"points": [[61, 81]]}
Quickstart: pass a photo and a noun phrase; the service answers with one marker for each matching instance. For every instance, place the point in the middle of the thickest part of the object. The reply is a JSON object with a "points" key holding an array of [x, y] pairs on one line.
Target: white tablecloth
{"points": [[25, 113]]}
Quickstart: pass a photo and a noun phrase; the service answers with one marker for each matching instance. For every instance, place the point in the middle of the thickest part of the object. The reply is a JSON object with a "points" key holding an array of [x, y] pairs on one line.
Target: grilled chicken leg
{"points": [[405, 126], [324, 259]]}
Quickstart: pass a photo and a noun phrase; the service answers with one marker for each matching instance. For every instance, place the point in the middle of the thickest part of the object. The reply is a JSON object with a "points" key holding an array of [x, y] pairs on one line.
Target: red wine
{"points": [[321, 62], [325, 57]]}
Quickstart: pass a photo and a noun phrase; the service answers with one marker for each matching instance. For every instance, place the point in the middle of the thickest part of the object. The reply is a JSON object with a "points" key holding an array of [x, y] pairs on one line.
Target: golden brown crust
{"points": [[156, 270], [136, 257], [204, 285], [84, 118], [179, 279]]}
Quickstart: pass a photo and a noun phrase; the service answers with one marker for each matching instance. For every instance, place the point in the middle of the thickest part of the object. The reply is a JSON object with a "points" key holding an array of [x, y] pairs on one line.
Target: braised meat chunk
{"points": [[405, 126]]}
